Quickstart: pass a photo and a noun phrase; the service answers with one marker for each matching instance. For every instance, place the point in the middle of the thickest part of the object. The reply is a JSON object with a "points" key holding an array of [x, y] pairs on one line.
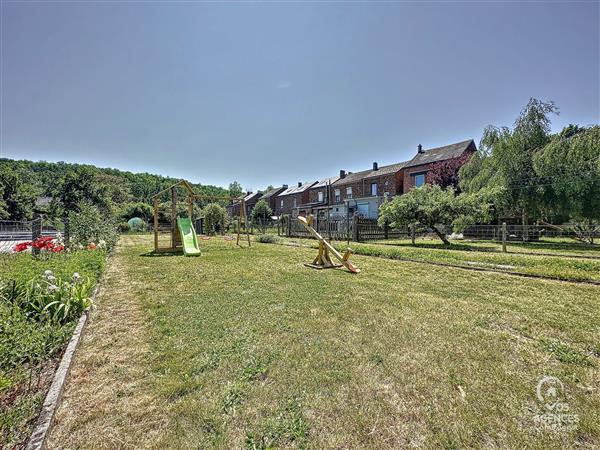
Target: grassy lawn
{"points": [[246, 348], [30, 350], [481, 255]]}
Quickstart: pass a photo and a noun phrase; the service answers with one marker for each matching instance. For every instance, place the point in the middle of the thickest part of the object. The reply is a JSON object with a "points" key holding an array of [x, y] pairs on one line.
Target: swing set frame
{"points": [[192, 197]]}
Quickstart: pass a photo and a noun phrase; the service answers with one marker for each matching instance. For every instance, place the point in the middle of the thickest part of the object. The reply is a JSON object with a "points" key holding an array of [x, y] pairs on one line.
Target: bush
{"points": [[89, 226], [267, 238], [215, 218], [123, 227]]}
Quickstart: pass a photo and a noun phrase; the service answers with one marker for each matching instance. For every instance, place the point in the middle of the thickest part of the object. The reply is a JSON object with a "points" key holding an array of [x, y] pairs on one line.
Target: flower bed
{"points": [[40, 302]]}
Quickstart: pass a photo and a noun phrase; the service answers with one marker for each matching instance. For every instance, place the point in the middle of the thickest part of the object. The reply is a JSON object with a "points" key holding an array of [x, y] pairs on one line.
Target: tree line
{"points": [[115, 193]]}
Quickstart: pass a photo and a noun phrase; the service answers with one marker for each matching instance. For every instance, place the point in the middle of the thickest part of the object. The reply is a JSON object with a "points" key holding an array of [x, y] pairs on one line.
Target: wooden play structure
{"points": [[323, 259], [176, 228]]}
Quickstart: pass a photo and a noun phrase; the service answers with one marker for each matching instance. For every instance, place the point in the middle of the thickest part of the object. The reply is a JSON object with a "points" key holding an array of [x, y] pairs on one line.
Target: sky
{"points": [[274, 93]]}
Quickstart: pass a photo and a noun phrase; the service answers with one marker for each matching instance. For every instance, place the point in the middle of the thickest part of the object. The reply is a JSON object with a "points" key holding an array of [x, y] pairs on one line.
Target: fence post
{"points": [[504, 237], [67, 232], [36, 232], [386, 229], [289, 225], [355, 230]]}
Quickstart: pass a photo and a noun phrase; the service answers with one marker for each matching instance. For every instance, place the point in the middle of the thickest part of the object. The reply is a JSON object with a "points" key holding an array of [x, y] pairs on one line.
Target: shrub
{"points": [[122, 227], [90, 226], [267, 238], [215, 218]]}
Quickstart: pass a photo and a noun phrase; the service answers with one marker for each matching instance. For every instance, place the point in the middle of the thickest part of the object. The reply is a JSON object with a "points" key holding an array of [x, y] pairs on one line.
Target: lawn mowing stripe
{"points": [[458, 266]]}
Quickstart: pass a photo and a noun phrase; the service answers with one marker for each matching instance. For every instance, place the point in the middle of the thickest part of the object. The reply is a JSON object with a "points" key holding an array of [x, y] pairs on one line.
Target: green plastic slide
{"points": [[189, 240]]}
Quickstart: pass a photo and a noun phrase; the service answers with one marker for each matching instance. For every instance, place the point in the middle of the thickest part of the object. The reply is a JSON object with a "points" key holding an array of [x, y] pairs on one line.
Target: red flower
{"points": [[57, 249], [22, 246]]}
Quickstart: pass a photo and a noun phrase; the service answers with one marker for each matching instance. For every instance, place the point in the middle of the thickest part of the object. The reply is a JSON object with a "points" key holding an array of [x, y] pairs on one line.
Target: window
{"points": [[419, 180], [337, 195], [349, 192], [374, 189], [281, 203], [320, 196], [386, 194]]}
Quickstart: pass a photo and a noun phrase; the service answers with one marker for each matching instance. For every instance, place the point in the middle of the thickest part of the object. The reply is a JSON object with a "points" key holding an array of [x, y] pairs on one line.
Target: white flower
{"points": [[76, 276], [101, 243], [47, 273], [52, 287], [80, 247], [51, 278]]}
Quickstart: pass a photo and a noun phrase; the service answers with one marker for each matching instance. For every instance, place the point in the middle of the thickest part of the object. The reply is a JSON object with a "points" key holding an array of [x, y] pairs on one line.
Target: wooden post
{"points": [[355, 230], [155, 224], [36, 232], [191, 209], [173, 216], [504, 237], [67, 232]]}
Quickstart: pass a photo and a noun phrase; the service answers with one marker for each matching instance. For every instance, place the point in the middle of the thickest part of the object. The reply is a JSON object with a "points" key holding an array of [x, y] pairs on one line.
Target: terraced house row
{"points": [[361, 192]]}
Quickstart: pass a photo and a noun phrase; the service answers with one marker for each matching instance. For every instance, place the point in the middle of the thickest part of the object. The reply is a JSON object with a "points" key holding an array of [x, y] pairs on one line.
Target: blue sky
{"points": [[272, 93]]}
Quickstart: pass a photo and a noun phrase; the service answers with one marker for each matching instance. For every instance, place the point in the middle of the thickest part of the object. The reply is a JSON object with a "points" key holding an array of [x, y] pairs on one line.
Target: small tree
{"points": [[433, 207], [261, 212], [235, 189], [215, 218]]}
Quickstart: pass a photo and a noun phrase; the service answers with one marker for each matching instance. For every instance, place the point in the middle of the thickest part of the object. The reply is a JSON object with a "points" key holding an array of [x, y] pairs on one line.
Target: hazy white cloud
{"points": [[284, 84]]}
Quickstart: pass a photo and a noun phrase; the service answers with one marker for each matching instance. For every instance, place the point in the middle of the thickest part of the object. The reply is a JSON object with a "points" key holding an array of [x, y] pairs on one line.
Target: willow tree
{"points": [[505, 160], [570, 168]]}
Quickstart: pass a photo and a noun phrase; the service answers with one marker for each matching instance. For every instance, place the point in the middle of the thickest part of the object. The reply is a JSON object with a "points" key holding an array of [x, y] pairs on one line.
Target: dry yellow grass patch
{"points": [[107, 401]]}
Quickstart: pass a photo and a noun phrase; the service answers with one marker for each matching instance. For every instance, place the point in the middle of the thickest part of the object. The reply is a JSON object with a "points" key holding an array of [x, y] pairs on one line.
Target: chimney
{"points": [[285, 186], [375, 166], [299, 183], [420, 149], [342, 174]]}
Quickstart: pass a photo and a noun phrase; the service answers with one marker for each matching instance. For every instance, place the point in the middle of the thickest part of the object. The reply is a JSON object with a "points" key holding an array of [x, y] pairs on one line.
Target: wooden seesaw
{"points": [[323, 259]]}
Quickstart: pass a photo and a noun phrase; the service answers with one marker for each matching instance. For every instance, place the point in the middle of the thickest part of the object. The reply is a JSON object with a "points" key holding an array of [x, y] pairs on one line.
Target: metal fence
{"points": [[362, 229], [529, 233], [13, 232]]}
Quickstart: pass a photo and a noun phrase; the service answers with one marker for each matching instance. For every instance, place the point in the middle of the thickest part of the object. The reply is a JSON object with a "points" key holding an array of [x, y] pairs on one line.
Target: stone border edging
{"points": [[37, 440]]}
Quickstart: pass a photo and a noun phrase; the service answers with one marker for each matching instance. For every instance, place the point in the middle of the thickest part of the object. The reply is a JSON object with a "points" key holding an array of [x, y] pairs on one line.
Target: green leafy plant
{"points": [[49, 298], [89, 226]]}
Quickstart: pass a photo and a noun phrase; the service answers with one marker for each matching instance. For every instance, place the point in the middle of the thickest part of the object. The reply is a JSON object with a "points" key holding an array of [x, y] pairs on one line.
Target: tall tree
{"points": [[235, 189], [17, 196], [570, 169], [505, 159]]}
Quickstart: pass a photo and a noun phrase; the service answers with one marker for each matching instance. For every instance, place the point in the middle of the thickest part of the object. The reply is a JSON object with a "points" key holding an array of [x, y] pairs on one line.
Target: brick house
{"points": [[415, 170], [271, 196], [289, 200], [364, 191], [251, 198], [319, 197]]}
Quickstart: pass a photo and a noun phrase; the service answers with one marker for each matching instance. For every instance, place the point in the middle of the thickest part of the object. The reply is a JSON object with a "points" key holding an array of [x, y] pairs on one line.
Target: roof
{"points": [[325, 182], [251, 195], [441, 153], [271, 192], [297, 189], [383, 170]]}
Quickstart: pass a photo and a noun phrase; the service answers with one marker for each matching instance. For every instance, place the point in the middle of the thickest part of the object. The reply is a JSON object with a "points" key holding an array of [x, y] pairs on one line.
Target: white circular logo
{"points": [[549, 391]]}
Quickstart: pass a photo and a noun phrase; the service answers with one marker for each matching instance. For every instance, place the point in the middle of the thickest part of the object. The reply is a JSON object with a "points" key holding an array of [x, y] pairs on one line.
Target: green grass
{"points": [[29, 350], [468, 255], [247, 348]]}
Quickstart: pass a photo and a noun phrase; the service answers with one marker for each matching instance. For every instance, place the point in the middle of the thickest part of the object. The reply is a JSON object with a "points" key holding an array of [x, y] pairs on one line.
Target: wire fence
{"points": [[13, 232]]}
